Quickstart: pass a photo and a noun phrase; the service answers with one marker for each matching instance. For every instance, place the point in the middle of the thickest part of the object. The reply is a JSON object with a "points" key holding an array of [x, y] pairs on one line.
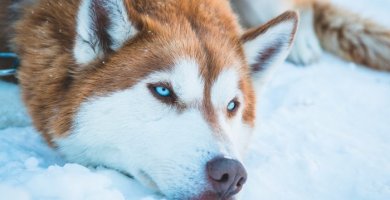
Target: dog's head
{"points": [[167, 92]]}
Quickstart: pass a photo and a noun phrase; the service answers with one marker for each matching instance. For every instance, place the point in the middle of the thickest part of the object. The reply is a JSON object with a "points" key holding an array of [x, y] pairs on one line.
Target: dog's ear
{"points": [[270, 43], [103, 26]]}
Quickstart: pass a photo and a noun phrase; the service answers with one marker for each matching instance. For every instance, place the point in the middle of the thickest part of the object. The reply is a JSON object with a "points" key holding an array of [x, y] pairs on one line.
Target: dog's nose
{"points": [[227, 176]]}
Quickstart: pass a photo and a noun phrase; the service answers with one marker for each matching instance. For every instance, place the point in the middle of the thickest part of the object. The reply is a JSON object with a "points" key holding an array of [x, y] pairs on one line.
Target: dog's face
{"points": [[171, 104]]}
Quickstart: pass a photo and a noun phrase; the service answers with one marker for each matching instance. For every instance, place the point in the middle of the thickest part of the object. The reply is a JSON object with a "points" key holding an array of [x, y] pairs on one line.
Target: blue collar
{"points": [[11, 70]]}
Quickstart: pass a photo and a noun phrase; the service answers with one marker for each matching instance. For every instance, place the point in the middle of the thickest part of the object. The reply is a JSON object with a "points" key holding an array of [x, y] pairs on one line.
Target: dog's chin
{"points": [[148, 182], [145, 179]]}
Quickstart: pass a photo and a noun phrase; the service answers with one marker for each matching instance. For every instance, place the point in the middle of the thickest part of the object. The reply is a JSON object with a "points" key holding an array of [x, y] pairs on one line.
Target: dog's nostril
{"points": [[227, 176], [224, 178], [240, 183]]}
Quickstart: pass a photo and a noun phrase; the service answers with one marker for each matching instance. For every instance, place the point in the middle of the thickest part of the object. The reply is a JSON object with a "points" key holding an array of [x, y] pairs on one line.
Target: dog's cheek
{"points": [[132, 132]]}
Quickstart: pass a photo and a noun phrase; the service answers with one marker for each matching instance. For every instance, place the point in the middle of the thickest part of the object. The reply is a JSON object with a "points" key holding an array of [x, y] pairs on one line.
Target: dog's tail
{"points": [[348, 35]]}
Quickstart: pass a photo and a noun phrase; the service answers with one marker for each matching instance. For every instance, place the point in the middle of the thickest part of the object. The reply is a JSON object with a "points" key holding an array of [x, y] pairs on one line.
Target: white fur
{"points": [[256, 12], [122, 29], [83, 51], [187, 82], [225, 88], [235, 133], [278, 36], [87, 46], [307, 48], [163, 148]]}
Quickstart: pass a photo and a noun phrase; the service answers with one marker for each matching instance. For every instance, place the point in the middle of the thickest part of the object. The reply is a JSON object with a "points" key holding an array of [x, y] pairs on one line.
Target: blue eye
{"points": [[232, 106], [162, 91]]}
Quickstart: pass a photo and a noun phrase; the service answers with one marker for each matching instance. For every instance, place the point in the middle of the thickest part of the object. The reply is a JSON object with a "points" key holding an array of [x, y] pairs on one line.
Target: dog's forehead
{"points": [[190, 82], [187, 81], [185, 78], [225, 87]]}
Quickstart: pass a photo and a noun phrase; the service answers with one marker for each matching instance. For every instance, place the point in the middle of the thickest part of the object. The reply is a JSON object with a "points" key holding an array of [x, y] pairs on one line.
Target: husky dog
{"points": [[339, 31], [161, 90]]}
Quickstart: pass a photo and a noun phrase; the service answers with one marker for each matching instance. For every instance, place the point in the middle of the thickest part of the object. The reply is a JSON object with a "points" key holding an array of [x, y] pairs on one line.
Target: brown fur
{"points": [[5, 29], [54, 86], [348, 35]]}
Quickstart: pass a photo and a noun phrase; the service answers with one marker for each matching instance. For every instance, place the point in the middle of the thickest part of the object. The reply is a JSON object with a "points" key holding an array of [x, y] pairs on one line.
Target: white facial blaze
{"points": [[225, 89], [134, 132], [187, 82]]}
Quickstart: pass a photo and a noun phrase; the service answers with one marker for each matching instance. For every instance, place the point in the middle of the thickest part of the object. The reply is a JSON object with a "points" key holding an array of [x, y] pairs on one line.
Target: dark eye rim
{"points": [[170, 99], [235, 100]]}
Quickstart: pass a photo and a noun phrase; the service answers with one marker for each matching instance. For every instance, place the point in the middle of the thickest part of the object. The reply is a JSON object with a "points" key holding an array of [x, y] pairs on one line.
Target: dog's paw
{"points": [[307, 48]]}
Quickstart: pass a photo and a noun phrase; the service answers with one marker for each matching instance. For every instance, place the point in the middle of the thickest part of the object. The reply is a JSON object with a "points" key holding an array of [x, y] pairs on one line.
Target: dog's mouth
{"points": [[223, 179], [142, 177], [147, 180]]}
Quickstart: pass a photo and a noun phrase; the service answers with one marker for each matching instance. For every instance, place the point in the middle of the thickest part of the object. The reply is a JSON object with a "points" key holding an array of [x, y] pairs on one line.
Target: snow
{"points": [[376, 10], [323, 133], [11, 112], [29, 169]]}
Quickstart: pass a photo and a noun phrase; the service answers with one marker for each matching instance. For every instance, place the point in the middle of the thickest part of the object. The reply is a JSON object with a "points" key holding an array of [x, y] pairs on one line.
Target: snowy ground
{"points": [[324, 133]]}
